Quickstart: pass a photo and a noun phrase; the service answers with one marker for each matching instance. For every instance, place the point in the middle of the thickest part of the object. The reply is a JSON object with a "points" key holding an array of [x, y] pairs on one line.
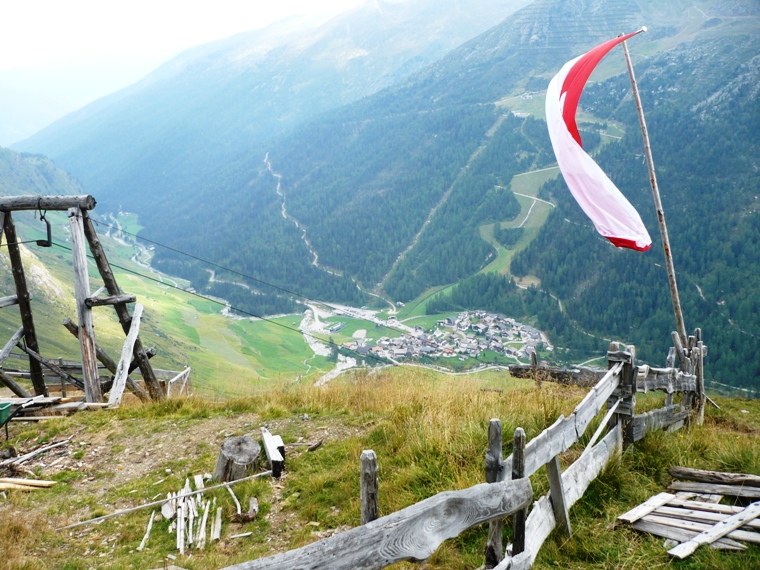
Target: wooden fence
{"points": [[415, 532]]}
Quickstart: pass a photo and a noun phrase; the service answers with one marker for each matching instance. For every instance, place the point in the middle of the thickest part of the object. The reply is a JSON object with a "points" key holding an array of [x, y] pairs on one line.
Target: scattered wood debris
{"points": [[694, 516]]}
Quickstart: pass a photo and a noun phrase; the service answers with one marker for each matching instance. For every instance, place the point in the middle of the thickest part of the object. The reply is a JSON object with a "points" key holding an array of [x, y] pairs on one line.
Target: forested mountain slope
{"points": [[167, 139], [362, 180]]}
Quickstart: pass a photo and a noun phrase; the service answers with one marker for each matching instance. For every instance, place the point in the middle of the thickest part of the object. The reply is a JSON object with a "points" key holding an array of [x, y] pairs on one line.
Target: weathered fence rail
{"points": [[415, 532]]}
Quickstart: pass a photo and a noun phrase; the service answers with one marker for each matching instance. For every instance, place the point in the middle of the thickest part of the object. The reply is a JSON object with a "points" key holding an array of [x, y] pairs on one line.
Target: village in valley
{"points": [[466, 335]]}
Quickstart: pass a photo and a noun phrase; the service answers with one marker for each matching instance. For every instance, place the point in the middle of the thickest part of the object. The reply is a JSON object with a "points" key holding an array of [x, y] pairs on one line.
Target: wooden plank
{"points": [[120, 378], [682, 535], [704, 528], [110, 300], [24, 304], [699, 516], [725, 527], [96, 248], [495, 543], [657, 419], [109, 363], [216, 532], [557, 494], [413, 533], [704, 506], [728, 490], [518, 472], [276, 461], [555, 439], [369, 487], [147, 532], [702, 476], [8, 301], [646, 507], [32, 202], [84, 314], [669, 380]]}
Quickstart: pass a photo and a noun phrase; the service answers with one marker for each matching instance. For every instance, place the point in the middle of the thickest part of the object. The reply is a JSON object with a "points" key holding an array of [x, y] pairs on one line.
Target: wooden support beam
{"points": [[151, 382], [4, 378], [8, 301], [14, 203], [52, 367], [413, 533], [84, 314], [557, 492], [120, 378], [110, 300], [134, 365], [276, 460], [10, 345], [518, 472], [494, 552], [24, 303], [109, 363], [13, 386], [369, 487]]}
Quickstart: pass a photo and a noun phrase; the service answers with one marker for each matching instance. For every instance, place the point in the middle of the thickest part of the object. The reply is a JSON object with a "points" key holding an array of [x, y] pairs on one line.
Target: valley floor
{"points": [[429, 432]]}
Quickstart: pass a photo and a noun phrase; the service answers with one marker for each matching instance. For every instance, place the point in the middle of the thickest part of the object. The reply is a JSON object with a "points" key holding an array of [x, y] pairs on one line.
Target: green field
{"points": [[345, 334], [228, 356], [532, 216]]}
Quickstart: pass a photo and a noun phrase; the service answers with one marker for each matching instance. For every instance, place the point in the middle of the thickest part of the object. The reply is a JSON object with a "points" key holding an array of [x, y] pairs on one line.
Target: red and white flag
{"points": [[612, 214]]}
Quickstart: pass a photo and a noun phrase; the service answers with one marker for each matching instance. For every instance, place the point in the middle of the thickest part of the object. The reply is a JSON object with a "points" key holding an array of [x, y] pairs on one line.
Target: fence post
{"points": [[495, 546], [369, 486], [557, 490], [700, 373], [518, 472], [626, 390]]}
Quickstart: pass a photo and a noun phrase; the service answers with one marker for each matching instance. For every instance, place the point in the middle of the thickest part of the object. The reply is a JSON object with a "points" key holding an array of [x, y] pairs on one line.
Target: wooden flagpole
{"points": [[658, 203]]}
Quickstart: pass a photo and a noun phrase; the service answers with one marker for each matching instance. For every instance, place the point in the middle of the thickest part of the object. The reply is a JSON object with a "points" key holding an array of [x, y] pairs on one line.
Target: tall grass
{"points": [[430, 434]]}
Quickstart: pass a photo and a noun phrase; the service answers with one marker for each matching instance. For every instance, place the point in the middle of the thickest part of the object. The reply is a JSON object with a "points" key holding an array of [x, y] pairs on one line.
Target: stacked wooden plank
{"points": [[693, 515]]}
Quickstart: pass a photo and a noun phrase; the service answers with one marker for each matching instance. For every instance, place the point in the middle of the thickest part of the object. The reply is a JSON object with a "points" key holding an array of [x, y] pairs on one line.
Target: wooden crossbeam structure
{"points": [[83, 235]]}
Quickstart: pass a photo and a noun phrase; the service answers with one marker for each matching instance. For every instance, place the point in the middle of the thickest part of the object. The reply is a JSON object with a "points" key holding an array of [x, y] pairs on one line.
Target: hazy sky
{"points": [[58, 55]]}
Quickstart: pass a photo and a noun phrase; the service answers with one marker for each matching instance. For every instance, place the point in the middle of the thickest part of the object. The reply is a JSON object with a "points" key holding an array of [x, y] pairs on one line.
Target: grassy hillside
{"points": [[228, 356], [430, 435]]}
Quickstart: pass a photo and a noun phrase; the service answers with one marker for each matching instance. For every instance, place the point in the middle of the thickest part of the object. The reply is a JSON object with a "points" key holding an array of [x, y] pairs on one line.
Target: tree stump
{"points": [[236, 458]]}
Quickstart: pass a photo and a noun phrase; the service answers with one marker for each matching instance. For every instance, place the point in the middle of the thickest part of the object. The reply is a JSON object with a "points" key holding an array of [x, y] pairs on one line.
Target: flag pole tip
{"points": [[643, 29]]}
